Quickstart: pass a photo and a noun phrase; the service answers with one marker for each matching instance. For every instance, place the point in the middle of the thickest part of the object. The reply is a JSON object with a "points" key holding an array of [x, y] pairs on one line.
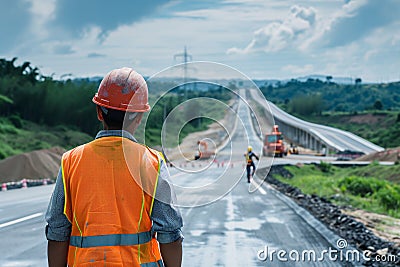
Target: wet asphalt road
{"points": [[224, 224], [228, 232], [22, 239]]}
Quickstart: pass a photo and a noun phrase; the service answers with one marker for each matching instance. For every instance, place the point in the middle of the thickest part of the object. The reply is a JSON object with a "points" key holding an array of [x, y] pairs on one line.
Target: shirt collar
{"points": [[121, 133]]}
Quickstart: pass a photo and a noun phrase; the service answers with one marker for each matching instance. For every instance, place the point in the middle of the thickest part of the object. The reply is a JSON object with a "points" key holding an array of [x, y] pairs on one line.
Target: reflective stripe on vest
{"points": [[110, 240], [248, 159], [153, 264]]}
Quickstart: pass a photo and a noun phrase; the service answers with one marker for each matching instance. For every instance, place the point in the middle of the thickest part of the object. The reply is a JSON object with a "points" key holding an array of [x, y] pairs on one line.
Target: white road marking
{"points": [[259, 187], [21, 219], [289, 231], [230, 246], [178, 174]]}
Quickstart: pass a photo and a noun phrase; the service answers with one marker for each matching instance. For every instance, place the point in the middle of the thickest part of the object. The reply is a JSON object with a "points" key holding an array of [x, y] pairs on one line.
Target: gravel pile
{"points": [[37, 164], [343, 225]]}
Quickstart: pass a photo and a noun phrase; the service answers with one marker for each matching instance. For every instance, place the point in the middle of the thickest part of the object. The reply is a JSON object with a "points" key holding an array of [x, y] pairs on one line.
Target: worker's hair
{"points": [[115, 118]]}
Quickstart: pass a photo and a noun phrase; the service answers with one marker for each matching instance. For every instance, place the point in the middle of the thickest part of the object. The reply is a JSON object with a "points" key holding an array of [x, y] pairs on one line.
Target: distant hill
{"points": [[338, 80], [257, 82], [333, 96]]}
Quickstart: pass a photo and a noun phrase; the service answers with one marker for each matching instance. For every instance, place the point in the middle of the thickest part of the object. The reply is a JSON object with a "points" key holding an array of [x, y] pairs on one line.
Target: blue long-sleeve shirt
{"points": [[167, 220]]}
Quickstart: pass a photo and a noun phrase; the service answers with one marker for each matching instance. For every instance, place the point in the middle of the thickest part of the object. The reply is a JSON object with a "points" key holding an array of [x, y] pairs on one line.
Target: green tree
{"points": [[306, 105], [378, 105], [329, 78]]}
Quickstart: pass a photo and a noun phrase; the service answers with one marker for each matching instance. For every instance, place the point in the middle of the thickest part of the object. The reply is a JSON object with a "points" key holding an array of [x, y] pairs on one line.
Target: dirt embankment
{"points": [[37, 164], [365, 119], [386, 155]]}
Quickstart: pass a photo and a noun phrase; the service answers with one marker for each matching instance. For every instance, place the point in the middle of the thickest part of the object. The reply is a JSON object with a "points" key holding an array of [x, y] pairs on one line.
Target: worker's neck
{"points": [[111, 128], [130, 129]]}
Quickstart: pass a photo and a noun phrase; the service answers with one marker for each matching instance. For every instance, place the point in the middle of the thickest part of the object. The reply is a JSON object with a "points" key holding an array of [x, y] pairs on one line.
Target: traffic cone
{"points": [[24, 184], [4, 187]]}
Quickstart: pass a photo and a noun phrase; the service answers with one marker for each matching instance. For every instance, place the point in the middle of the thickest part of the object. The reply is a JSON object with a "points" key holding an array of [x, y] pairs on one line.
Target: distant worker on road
{"points": [[112, 204], [250, 167]]}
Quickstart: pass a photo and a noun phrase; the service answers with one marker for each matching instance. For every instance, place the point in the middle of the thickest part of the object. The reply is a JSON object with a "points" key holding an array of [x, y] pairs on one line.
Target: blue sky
{"points": [[263, 39]]}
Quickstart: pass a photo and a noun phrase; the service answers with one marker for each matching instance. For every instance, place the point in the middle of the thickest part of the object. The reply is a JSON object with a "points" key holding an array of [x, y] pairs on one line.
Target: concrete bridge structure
{"points": [[316, 137]]}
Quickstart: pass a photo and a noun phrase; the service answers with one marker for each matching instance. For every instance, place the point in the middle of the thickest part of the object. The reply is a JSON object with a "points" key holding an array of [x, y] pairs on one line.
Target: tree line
{"points": [[27, 95], [314, 96], [42, 100]]}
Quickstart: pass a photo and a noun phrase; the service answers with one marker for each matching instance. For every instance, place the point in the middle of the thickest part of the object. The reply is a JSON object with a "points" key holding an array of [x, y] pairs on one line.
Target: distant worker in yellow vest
{"points": [[250, 166], [113, 204]]}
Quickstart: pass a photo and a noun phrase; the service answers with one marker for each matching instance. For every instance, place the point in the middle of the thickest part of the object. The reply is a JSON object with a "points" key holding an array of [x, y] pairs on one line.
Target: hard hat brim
{"points": [[123, 107]]}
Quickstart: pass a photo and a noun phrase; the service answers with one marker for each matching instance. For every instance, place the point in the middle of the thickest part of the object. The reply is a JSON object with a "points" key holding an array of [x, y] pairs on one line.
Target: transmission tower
{"points": [[186, 58]]}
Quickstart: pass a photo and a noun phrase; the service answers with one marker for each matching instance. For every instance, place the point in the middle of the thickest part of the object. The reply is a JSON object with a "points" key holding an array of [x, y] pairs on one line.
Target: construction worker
{"points": [[112, 204], [250, 167]]}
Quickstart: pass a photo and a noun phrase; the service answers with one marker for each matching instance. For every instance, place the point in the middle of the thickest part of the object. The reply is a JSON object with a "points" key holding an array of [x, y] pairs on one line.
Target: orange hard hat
{"points": [[123, 89]]}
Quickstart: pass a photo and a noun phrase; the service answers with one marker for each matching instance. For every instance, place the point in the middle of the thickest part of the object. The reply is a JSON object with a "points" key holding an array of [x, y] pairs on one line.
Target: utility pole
{"points": [[186, 57]]}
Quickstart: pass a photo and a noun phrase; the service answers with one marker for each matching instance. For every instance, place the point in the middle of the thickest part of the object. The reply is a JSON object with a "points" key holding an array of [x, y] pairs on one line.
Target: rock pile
{"points": [[343, 225]]}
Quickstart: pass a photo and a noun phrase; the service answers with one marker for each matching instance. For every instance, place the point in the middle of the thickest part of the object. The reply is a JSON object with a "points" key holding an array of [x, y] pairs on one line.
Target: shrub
{"points": [[389, 197], [325, 167], [6, 151], [361, 186], [16, 121], [8, 129], [61, 128], [3, 154]]}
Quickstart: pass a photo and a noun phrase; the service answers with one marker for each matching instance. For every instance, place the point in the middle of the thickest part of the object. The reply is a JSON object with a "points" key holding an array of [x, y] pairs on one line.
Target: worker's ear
{"points": [[99, 113], [134, 124], [138, 118]]}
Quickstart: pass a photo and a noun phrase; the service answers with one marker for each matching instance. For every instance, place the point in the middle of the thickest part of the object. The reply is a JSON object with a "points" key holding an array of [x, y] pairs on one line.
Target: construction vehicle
{"points": [[203, 152], [293, 149], [273, 143]]}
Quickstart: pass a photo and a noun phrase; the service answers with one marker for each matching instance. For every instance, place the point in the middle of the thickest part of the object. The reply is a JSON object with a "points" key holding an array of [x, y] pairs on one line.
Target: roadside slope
{"points": [[37, 164]]}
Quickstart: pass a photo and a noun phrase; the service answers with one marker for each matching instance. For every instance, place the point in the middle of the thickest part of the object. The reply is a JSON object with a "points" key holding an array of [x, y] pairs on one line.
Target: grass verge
{"points": [[25, 136], [371, 188]]}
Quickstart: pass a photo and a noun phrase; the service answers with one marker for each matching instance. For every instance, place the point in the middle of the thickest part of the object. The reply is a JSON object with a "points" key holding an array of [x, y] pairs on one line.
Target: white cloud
{"points": [[279, 35], [357, 20], [361, 39], [355, 38], [264, 39], [302, 30], [42, 11]]}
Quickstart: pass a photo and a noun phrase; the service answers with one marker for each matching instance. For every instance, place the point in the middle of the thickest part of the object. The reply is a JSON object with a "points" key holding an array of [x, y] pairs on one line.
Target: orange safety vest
{"points": [[248, 159], [108, 201]]}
